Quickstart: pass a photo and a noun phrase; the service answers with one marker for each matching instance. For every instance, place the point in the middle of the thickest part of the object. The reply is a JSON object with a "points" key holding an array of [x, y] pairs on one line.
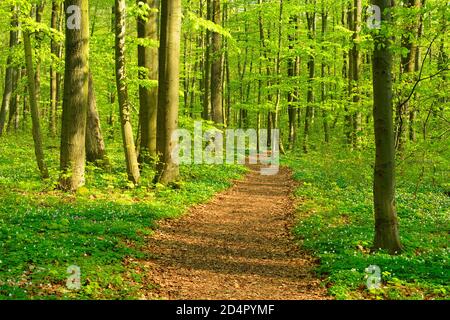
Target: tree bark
{"points": [[39, 38], [95, 145], [206, 113], [292, 99], [122, 94], [37, 137], [147, 28], [326, 130], [407, 68], [75, 101], [168, 90], [386, 224], [311, 19], [10, 70], [54, 86], [216, 67], [417, 66], [356, 71]]}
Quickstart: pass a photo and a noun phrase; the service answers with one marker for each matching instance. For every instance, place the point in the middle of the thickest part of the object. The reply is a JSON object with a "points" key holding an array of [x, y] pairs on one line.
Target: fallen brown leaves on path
{"points": [[237, 246]]}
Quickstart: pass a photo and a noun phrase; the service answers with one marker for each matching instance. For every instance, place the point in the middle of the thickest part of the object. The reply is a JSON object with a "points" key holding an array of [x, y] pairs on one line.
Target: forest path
{"points": [[237, 246]]}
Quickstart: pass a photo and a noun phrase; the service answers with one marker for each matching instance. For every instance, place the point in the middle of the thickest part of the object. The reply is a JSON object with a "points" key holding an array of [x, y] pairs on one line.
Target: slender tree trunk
{"points": [[417, 66], [356, 71], [326, 129], [168, 90], [122, 94], [206, 113], [14, 105], [148, 97], [216, 67], [95, 145], [292, 112], [407, 68], [10, 70], [76, 88], [37, 137], [39, 38], [53, 74], [263, 48], [311, 18], [386, 224], [347, 74]]}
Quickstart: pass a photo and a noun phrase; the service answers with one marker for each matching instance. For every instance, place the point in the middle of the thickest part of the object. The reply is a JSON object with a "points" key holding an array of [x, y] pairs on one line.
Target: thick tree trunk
{"points": [[75, 102], [168, 90], [122, 94], [148, 97], [37, 137], [386, 224]]}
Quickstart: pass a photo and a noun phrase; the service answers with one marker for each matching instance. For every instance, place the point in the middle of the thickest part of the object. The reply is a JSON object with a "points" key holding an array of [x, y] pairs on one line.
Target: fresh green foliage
{"points": [[335, 222], [44, 231]]}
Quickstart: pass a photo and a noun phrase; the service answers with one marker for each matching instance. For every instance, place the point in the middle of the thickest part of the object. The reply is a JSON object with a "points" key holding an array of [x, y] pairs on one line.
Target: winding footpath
{"points": [[237, 246]]}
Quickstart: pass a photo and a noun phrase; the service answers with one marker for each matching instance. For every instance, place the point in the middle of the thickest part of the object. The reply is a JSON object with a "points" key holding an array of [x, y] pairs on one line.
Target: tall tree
{"points": [[206, 112], [356, 70], [326, 129], [147, 28], [37, 137], [292, 98], [407, 67], [39, 36], [95, 145], [417, 66], [54, 76], [76, 89], [168, 90], [311, 19], [122, 93], [386, 223], [10, 70], [216, 67]]}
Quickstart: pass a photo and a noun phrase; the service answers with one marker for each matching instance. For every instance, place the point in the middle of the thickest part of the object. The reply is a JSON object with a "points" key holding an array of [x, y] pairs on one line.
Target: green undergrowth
{"points": [[336, 224], [43, 231]]}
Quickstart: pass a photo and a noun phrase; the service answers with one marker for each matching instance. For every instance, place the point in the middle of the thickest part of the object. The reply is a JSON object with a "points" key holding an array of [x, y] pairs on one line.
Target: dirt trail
{"points": [[237, 246]]}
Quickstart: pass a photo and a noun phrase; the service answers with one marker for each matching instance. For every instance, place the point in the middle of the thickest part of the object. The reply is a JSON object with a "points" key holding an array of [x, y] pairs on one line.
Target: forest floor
{"points": [[237, 246]]}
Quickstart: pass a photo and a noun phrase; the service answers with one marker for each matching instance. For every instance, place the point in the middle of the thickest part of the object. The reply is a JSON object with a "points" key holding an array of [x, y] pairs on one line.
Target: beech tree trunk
{"points": [[407, 68], [168, 90], [147, 28], [75, 103], [216, 67], [37, 137], [122, 94], [206, 112], [386, 224], [311, 18], [10, 70], [54, 86], [95, 145]]}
